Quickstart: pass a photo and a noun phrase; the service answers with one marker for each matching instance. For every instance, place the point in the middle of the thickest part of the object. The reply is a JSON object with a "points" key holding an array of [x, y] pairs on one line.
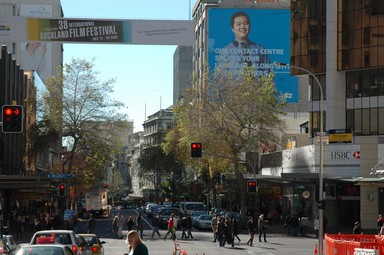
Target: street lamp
{"points": [[321, 173]]}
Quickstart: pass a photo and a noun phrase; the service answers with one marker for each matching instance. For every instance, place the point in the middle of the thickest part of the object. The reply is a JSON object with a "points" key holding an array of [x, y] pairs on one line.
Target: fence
{"points": [[347, 244]]}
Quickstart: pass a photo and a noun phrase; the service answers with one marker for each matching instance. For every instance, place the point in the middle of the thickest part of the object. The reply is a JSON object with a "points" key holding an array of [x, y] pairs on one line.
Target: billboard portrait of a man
{"points": [[242, 51], [239, 37]]}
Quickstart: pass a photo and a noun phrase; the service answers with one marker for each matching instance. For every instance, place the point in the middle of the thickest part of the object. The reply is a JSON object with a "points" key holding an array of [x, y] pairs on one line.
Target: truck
{"points": [[96, 203]]}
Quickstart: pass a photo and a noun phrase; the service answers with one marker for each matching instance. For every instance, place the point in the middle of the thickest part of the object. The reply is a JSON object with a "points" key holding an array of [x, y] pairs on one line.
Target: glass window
{"points": [[349, 119], [373, 121], [357, 120], [381, 121], [365, 121]]}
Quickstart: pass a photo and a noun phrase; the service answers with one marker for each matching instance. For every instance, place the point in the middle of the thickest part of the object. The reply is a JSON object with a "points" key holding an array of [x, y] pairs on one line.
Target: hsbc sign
{"points": [[335, 155]]}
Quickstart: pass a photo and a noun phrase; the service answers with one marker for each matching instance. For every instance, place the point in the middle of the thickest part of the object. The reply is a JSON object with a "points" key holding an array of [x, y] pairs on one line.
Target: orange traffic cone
{"points": [[315, 250]]}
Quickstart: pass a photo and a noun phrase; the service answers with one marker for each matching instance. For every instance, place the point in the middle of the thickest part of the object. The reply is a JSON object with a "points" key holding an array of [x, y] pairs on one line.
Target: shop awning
{"points": [[378, 181], [18, 182]]}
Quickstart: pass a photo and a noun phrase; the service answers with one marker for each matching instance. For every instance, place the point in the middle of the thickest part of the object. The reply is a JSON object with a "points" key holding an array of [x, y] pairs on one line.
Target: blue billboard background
{"points": [[269, 28]]}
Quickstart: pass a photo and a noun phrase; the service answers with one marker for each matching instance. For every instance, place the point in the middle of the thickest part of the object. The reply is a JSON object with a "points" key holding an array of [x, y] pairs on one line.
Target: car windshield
{"points": [[168, 211], [194, 207], [205, 217], [40, 250]]}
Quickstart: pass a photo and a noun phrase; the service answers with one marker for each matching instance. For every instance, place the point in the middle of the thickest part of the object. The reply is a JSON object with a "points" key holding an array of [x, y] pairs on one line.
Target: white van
{"points": [[188, 207]]}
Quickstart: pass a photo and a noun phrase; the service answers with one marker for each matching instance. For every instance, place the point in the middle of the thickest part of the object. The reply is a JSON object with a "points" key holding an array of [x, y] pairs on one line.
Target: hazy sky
{"points": [[144, 73]]}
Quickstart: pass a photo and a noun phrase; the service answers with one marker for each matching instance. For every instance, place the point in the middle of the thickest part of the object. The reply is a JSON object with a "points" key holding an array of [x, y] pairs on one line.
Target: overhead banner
{"points": [[149, 32]]}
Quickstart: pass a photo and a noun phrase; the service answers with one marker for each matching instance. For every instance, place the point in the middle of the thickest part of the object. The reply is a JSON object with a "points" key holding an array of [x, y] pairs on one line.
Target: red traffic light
{"points": [[12, 119], [62, 190], [251, 186], [196, 150]]}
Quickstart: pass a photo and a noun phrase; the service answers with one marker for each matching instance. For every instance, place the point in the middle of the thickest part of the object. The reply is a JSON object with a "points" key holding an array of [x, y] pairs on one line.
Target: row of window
{"points": [[365, 83]]}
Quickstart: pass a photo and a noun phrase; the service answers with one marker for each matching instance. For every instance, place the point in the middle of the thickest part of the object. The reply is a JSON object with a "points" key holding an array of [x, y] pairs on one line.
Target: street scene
{"points": [[180, 127]]}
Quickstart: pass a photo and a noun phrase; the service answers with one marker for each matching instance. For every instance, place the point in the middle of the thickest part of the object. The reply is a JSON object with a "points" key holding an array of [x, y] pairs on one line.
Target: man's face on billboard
{"points": [[241, 28]]}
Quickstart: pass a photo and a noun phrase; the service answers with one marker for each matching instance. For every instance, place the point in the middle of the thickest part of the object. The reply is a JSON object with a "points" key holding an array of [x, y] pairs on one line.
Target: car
{"points": [[63, 237], [188, 207], [196, 214], [94, 243], [5, 250], [165, 213], [46, 249], [147, 209], [10, 242], [84, 247], [203, 222]]}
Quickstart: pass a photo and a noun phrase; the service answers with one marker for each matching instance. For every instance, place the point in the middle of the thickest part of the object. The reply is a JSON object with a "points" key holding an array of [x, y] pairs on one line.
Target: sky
{"points": [[143, 73]]}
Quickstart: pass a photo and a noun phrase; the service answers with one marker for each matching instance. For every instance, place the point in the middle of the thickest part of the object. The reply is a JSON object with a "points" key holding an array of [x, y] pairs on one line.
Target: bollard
{"points": [[315, 250]]}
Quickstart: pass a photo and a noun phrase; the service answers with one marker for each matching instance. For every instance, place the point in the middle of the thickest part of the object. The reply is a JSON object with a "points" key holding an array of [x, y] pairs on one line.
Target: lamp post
{"points": [[321, 173]]}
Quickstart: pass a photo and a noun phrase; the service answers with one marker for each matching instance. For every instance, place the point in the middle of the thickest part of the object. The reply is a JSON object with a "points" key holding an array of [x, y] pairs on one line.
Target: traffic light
{"points": [[12, 119], [106, 185], [251, 186], [62, 189], [196, 150]]}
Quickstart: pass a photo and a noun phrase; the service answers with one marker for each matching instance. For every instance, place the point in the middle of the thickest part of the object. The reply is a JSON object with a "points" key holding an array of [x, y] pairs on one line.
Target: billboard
{"points": [[252, 37], [150, 32]]}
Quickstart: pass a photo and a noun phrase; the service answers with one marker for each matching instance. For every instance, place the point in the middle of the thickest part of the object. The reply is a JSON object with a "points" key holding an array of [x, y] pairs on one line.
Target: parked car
{"points": [[203, 222], [95, 244], [45, 249], [188, 207], [165, 213], [64, 237], [10, 242], [196, 214]]}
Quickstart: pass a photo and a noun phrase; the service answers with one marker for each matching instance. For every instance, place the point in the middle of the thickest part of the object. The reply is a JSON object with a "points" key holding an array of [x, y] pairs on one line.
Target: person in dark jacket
{"points": [[262, 227], [189, 227], [235, 231], [135, 244], [251, 230], [357, 228], [130, 223], [220, 232]]}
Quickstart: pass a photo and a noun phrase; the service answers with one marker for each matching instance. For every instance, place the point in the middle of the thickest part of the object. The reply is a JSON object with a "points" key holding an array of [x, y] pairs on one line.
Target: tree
{"points": [[230, 116], [80, 104]]}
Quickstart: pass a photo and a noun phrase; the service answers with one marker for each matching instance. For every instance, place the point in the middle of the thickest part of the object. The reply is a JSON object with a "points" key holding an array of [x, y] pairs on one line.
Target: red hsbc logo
{"points": [[345, 154]]}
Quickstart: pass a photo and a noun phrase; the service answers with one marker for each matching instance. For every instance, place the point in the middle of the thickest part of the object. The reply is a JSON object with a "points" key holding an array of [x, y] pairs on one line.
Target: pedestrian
{"points": [[139, 225], [91, 224], [251, 231], [184, 226], [115, 228], [316, 226], [357, 228], [155, 225], [294, 224], [221, 231], [228, 230], [303, 225], [38, 223], [130, 223], [120, 225], [189, 226], [135, 244], [214, 227], [261, 225], [235, 230], [171, 228], [380, 222]]}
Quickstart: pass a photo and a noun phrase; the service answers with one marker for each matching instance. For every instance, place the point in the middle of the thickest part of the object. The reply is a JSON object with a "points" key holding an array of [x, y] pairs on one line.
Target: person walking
{"points": [[189, 227], [214, 222], [155, 225], [251, 231], [228, 230], [120, 225], [235, 230], [130, 223], [357, 228], [316, 226], [115, 228], [221, 231], [139, 225], [91, 224], [171, 228], [184, 226], [261, 225]]}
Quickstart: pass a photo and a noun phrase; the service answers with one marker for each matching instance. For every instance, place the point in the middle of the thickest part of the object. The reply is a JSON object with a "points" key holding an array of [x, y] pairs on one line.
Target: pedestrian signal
{"points": [[251, 186], [196, 150]]}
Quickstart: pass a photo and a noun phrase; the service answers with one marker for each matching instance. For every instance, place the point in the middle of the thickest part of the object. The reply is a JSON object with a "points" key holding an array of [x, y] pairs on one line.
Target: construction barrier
{"points": [[346, 244]]}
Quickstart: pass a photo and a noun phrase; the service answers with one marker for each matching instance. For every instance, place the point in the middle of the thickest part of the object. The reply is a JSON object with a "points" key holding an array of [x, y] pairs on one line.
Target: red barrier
{"points": [[345, 244]]}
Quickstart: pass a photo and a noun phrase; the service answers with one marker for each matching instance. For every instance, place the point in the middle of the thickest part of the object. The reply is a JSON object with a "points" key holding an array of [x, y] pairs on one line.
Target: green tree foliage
{"points": [[229, 116], [80, 106]]}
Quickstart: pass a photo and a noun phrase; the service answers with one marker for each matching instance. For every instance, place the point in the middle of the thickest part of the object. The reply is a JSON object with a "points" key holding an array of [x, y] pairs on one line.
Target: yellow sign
{"points": [[336, 138]]}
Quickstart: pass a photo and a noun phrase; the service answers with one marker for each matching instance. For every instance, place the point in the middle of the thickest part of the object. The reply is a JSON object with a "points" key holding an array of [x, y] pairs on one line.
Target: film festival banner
{"points": [[252, 37], [150, 32]]}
